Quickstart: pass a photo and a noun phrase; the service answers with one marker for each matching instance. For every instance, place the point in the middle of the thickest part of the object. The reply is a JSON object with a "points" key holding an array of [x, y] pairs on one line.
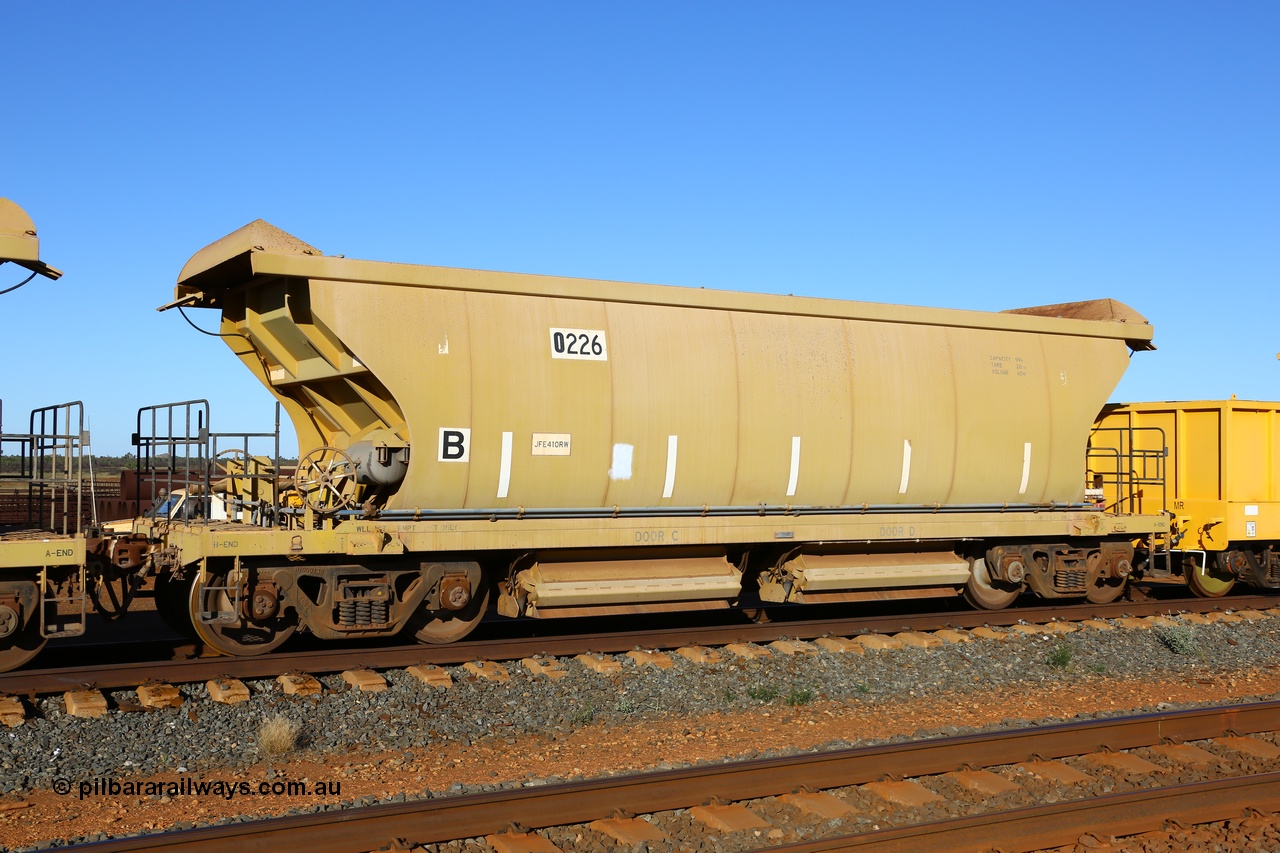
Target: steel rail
{"points": [[468, 816], [122, 675], [1062, 824]]}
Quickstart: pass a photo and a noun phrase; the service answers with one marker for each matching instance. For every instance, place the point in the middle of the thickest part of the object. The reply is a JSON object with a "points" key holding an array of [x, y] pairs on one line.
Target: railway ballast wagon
{"points": [[42, 550], [574, 447], [1214, 465]]}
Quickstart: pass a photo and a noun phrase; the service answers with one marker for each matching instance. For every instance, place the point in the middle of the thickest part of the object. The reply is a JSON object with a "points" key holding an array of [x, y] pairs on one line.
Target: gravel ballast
{"points": [[202, 739], [201, 735]]}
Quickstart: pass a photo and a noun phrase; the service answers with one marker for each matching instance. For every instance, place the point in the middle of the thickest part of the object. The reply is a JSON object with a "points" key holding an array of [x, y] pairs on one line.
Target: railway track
{"points": [[115, 675], [948, 794]]}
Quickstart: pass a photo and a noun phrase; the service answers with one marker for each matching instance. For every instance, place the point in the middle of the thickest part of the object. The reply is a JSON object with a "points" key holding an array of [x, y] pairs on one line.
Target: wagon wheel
{"points": [[326, 480], [18, 643], [1100, 589], [237, 638], [987, 594], [446, 626], [1208, 581], [112, 592]]}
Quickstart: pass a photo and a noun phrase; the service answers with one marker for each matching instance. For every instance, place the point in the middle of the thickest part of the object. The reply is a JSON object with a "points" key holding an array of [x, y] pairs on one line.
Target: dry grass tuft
{"points": [[278, 735]]}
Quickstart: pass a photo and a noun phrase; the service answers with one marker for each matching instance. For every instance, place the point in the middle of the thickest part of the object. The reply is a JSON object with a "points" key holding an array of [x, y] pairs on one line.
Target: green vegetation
{"points": [[103, 466], [1180, 639], [767, 693], [1059, 656]]}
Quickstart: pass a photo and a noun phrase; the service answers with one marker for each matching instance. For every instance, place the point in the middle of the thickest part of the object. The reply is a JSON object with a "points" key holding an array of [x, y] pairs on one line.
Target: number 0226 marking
{"points": [[587, 344]]}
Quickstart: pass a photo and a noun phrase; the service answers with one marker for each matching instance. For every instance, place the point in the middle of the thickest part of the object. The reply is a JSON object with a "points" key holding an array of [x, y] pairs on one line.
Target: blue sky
{"points": [[983, 155]]}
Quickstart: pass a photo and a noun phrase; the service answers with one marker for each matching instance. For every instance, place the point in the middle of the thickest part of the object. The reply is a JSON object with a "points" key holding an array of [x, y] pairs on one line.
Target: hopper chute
{"points": [[350, 430]]}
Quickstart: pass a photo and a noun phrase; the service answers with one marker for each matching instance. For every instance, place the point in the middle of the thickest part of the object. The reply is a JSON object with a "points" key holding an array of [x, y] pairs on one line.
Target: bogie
{"points": [[20, 637]]}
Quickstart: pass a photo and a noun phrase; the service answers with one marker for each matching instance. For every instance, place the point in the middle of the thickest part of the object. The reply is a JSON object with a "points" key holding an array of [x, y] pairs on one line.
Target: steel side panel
{"points": [[35, 553], [1264, 516], [884, 412], [639, 591], [1219, 449], [1199, 457], [825, 580], [670, 568], [903, 396], [549, 534], [825, 572], [1244, 458], [792, 379], [651, 402], [1223, 465], [974, 400], [631, 581], [714, 397], [1233, 528], [1079, 378], [518, 388]]}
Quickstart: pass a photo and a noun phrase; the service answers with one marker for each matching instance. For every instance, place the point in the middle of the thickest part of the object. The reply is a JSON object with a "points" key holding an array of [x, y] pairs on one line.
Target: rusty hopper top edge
{"points": [[260, 248]]}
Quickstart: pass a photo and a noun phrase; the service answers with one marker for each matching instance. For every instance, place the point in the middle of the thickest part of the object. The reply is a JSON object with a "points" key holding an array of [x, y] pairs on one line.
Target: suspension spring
{"points": [[346, 613]]}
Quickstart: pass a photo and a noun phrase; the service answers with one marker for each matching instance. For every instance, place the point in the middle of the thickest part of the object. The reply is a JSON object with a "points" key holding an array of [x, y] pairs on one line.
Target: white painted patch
{"points": [[621, 467], [443, 348], [670, 485], [795, 466], [1026, 467], [906, 466], [504, 467], [1251, 509], [455, 444]]}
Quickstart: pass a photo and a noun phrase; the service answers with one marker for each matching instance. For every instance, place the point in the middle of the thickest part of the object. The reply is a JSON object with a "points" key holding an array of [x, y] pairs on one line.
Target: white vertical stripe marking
{"points": [[504, 471], [795, 465], [671, 466], [906, 466], [1026, 467]]}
